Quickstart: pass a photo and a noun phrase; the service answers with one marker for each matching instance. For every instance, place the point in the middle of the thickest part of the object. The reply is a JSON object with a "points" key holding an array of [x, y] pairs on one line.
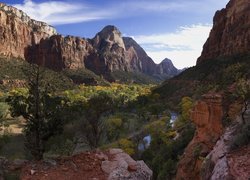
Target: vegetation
{"points": [[134, 77], [169, 143], [243, 93], [60, 115], [211, 75], [40, 109]]}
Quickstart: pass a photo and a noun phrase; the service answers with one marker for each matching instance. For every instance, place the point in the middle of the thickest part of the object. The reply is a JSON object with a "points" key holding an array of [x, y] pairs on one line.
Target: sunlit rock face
{"points": [[207, 116], [230, 34], [18, 31]]}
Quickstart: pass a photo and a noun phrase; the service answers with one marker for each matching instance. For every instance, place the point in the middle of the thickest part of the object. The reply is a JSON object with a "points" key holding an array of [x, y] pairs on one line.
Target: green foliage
{"points": [[186, 106], [84, 76], [242, 137], [4, 110], [60, 145], [123, 95], [216, 74], [14, 69], [40, 109], [168, 143], [113, 127], [93, 124], [243, 89], [134, 77], [196, 151]]}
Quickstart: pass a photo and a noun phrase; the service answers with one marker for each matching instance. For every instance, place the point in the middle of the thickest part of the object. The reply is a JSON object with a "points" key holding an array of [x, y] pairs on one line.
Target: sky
{"points": [[174, 29]]}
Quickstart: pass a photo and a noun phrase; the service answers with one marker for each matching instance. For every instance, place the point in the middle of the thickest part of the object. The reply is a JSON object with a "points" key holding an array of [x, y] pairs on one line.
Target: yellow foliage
{"points": [[127, 146], [115, 122], [186, 106]]}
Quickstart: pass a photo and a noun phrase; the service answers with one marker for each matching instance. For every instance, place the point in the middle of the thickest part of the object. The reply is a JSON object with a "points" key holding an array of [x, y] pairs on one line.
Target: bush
{"points": [[243, 136]]}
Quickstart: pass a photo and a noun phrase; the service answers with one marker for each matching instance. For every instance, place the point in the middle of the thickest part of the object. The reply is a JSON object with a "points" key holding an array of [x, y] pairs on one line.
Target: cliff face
{"points": [[230, 34], [17, 31], [207, 116], [167, 67], [58, 52], [39, 43], [144, 63]]}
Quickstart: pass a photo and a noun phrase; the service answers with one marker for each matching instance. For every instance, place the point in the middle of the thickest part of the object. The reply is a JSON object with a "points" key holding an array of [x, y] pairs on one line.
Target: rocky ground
{"points": [[113, 164]]}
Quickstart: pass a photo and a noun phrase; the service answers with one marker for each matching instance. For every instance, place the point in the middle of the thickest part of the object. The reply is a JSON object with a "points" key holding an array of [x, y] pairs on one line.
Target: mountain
{"points": [[230, 34], [106, 53]]}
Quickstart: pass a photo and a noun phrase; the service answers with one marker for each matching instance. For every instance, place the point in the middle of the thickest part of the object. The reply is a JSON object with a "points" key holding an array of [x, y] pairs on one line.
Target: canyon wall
{"points": [[207, 116], [230, 34], [18, 31]]}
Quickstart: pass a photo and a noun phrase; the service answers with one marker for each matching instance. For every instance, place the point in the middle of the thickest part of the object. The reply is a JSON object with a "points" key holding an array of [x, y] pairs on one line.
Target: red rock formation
{"points": [[207, 116], [60, 52], [39, 43], [230, 34], [17, 31]]}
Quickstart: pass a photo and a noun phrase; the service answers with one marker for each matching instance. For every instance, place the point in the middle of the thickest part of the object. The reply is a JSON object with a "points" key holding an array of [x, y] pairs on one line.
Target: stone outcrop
{"points": [[18, 31], [37, 42], [122, 166], [230, 34], [207, 116], [225, 163], [113, 164]]}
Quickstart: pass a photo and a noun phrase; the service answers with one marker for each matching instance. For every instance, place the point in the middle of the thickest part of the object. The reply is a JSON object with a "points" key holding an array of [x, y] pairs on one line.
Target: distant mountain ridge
{"points": [[107, 52]]}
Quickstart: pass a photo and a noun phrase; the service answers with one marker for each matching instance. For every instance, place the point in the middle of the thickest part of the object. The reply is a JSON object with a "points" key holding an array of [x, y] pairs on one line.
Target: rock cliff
{"points": [[58, 52], [230, 34], [207, 116], [37, 42], [17, 31]]}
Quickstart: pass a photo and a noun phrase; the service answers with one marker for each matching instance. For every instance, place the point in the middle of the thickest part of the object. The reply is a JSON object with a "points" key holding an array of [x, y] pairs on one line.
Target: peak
{"points": [[109, 34], [110, 29], [166, 60]]}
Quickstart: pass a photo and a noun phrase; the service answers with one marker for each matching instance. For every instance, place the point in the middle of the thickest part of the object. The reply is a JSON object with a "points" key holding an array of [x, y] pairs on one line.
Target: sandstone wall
{"points": [[230, 34], [207, 116], [18, 31]]}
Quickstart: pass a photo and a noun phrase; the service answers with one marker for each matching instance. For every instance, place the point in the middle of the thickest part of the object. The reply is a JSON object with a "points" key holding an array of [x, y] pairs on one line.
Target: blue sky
{"points": [[174, 29]]}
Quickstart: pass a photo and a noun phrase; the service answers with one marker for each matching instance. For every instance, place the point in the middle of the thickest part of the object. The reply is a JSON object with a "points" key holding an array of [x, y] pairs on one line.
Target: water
{"points": [[145, 143], [147, 139], [174, 116]]}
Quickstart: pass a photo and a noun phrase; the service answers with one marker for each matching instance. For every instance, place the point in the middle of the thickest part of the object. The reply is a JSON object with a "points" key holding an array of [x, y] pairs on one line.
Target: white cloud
{"points": [[66, 12], [183, 46], [56, 12]]}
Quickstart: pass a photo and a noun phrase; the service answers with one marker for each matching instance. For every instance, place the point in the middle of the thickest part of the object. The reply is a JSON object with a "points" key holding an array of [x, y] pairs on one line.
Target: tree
{"points": [[93, 125], [243, 93], [113, 125], [40, 109]]}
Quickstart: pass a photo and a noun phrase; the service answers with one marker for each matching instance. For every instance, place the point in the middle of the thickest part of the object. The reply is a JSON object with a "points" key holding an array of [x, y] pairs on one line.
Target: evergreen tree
{"points": [[40, 109]]}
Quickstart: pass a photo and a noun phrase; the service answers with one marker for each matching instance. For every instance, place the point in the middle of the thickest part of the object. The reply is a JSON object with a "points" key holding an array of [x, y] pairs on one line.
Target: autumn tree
{"points": [[97, 107], [243, 93], [186, 105], [40, 109]]}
